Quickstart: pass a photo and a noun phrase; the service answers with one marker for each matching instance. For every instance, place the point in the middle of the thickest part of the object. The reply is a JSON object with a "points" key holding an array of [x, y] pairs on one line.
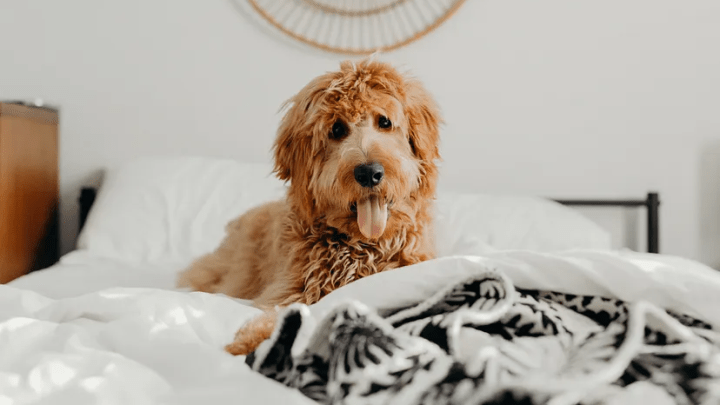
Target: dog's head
{"points": [[359, 147]]}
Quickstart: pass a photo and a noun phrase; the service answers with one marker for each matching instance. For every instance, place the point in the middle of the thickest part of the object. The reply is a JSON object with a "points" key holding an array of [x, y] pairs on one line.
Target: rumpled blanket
{"points": [[483, 341]]}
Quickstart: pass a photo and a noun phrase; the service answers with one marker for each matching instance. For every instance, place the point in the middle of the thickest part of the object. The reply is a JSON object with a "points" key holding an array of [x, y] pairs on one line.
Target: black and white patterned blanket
{"points": [[482, 341]]}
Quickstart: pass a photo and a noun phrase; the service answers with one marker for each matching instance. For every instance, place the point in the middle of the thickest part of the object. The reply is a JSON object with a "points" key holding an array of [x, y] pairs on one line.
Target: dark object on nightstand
{"points": [[29, 197]]}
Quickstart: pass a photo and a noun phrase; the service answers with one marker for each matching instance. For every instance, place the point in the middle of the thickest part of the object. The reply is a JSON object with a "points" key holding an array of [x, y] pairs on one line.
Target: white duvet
{"points": [[119, 345]]}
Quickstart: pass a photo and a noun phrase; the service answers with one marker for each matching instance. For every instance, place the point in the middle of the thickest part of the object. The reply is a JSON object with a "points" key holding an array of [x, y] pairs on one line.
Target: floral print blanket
{"points": [[483, 341]]}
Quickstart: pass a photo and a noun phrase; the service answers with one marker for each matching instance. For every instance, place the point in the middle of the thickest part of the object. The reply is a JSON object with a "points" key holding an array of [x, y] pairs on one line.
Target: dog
{"points": [[359, 148]]}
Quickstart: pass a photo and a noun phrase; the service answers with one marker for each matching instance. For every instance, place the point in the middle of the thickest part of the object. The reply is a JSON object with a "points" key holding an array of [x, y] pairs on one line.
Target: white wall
{"points": [[560, 98]]}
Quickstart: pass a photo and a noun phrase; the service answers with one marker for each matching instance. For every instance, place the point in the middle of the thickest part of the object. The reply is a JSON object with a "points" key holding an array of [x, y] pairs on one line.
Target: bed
{"points": [[525, 302]]}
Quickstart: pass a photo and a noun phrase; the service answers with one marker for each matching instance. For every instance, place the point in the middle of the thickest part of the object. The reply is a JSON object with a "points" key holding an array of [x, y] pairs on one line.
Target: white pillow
{"points": [[482, 223], [176, 209], [173, 208]]}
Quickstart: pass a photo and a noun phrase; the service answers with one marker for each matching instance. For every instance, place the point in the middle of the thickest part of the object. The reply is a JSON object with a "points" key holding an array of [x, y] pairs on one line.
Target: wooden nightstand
{"points": [[29, 196]]}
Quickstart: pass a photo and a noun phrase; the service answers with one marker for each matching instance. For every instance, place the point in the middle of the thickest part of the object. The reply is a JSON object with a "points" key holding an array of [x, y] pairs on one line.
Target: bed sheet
{"points": [[79, 273]]}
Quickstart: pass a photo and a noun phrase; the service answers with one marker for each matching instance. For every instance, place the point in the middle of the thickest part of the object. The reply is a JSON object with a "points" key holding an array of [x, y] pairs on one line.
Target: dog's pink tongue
{"points": [[372, 217]]}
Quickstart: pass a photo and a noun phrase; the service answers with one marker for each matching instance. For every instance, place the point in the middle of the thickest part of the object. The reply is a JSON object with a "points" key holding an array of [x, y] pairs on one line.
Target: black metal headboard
{"points": [[651, 202]]}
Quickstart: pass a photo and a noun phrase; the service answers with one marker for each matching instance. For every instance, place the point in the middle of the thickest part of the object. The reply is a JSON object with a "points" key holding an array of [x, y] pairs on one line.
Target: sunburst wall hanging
{"points": [[356, 27]]}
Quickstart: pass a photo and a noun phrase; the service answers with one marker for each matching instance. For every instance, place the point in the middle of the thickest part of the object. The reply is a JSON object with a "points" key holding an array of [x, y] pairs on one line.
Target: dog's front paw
{"points": [[241, 347], [249, 337]]}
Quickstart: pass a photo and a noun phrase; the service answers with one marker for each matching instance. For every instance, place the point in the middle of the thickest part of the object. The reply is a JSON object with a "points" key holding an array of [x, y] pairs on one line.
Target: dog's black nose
{"points": [[370, 174]]}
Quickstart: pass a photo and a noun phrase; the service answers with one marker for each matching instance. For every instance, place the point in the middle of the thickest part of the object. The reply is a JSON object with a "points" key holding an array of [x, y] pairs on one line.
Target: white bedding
{"points": [[79, 273], [106, 324], [153, 345]]}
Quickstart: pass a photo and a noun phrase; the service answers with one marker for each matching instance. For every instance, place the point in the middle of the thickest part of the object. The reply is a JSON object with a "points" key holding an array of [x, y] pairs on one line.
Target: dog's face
{"points": [[359, 148]]}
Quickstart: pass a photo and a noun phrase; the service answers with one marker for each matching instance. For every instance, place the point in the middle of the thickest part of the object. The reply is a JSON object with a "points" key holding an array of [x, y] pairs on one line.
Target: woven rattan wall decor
{"points": [[356, 27]]}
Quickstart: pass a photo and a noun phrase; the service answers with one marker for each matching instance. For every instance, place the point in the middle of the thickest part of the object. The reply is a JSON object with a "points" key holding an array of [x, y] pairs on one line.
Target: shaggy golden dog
{"points": [[358, 147]]}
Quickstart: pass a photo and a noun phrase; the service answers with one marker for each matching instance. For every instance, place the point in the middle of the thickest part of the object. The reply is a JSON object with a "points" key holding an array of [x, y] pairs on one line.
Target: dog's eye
{"points": [[339, 130], [384, 123]]}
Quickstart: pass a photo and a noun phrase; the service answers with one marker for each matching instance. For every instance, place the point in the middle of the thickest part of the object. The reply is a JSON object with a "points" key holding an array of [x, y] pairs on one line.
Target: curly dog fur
{"points": [[335, 225]]}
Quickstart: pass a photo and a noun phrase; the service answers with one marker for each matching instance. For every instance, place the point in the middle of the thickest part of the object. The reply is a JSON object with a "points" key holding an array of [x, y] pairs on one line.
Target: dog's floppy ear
{"points": [[294, 143], [289, 142], [296, 146], [424, 121]]}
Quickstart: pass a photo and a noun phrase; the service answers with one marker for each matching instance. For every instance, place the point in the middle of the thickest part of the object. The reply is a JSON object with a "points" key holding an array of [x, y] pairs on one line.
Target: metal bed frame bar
{"points": [[651, 202]]}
